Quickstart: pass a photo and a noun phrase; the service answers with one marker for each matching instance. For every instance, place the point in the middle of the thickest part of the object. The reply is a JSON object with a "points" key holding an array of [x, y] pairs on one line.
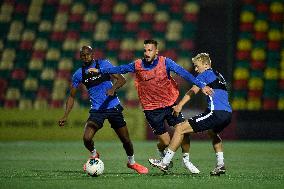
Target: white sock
{"points": [[185, 157], [131, 160], [161, 153], [168, 157], [94, 152], [220, 158]]}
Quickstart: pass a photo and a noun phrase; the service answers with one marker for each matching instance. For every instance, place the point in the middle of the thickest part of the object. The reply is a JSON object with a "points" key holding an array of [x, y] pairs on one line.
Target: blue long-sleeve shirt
{"points": [[220, 99], [170, 66]]}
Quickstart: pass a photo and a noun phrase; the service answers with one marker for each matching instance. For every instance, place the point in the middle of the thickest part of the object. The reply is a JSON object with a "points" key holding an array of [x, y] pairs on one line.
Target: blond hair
{"points": [[203, 57]]}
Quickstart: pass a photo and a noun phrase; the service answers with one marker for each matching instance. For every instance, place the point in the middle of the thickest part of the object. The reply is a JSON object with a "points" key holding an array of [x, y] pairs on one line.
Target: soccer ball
{"points": [[95, 167]]}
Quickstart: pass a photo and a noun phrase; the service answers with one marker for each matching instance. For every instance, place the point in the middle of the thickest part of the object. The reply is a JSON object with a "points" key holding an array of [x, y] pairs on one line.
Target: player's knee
{"points": [[212, 134], [218, 138], [179, 129], [92, 125], [215, 137]]}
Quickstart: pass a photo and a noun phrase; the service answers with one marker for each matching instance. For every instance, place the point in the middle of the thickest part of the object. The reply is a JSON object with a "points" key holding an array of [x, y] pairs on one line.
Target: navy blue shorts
{"points": [[215, 120], [113, 115], [156, 119]]}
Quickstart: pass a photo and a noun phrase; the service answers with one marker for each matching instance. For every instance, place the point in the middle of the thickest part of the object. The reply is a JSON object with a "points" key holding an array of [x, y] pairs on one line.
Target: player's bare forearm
{"points": [[184, 100], [177, 109], [68, 108], [70, 101], [120, 81], [188, 95]]}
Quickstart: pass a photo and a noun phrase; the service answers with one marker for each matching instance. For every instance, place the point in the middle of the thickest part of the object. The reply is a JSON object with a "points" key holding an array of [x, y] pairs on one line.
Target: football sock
{"points": [[161, 153], [131, 160], [185, 157], [168, 157], [94, 152], [220, 158]]}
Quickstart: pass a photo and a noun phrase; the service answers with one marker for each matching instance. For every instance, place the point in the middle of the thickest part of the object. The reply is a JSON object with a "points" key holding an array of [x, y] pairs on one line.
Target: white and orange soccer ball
{"points": [[95, 167]]}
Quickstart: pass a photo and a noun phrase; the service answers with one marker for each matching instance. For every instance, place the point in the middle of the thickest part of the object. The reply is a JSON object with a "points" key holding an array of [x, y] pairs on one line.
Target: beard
{"points": [[87, 63], [149, 60]]}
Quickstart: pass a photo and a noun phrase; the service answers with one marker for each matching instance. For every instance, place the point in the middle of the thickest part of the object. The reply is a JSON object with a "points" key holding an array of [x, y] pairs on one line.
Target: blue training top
{"points": [[170, 66], [220, 99], [97, 92]]}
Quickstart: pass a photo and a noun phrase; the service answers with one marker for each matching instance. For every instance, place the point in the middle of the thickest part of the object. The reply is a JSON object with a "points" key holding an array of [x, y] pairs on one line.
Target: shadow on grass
{"points": [[80, 174]]}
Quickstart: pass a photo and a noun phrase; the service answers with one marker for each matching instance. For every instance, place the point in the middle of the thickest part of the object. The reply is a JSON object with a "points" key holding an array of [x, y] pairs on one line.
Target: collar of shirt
{"points": [[150, 66], [91, 65]]}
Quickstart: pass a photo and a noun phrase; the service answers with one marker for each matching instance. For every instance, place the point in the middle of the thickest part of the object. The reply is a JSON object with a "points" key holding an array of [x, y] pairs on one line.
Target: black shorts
{"points": [[215, 120], [156, 119], [113, 115]]}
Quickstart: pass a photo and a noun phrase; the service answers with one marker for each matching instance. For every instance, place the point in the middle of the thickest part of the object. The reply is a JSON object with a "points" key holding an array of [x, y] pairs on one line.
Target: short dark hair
{"points": [[89, 48], [151, 41]]}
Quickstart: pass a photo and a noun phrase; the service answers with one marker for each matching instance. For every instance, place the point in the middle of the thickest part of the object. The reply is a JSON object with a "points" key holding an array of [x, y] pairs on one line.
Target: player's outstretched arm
{"points": [[120, 81], [69, 106], [122, 69], [173, 66], [177, 109]]}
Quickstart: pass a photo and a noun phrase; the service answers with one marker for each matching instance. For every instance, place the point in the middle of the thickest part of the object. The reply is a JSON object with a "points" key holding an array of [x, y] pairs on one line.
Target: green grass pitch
{"points": [[58, 164]]}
